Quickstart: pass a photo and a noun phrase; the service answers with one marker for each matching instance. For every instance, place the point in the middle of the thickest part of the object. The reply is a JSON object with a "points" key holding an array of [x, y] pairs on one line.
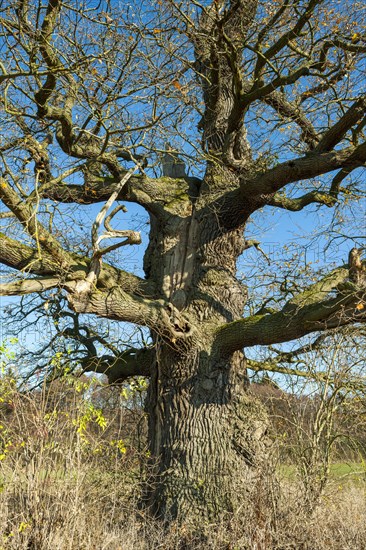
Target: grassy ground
{"points": [[95, 509], [69, 480], [347, 472], [352, 471]]}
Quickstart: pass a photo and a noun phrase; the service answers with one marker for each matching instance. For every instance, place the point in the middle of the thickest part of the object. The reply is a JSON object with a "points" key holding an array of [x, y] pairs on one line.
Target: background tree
{"points": [[90, 96], [318, 419]]}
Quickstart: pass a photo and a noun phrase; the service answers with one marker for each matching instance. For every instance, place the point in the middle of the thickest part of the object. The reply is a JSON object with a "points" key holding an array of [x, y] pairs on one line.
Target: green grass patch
{"points": [[354, 472]]}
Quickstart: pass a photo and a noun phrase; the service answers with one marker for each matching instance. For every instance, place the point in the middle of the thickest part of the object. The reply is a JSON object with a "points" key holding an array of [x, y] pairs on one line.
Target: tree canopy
{"points": [[207, 115]]}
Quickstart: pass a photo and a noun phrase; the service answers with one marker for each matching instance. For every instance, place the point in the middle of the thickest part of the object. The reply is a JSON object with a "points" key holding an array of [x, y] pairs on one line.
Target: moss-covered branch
{"points": [[313, 310], [26, 259], [28, 218], [298, 203], [306, 167]]}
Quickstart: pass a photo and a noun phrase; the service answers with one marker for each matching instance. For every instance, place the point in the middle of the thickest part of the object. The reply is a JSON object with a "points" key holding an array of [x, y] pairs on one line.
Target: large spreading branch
{"points": [[117, 367], [311, 165], [120, 295], [151, 193], [315, 309], [159, 315], [27, 260]]}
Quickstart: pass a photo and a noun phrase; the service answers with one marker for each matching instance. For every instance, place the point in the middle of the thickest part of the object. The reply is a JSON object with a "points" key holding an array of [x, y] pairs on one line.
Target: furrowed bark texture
{"points": [[205, 436], [205, 431]]}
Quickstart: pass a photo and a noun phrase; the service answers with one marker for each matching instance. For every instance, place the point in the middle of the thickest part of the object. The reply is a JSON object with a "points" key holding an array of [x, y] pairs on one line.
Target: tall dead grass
{"points": [[69, 479]]}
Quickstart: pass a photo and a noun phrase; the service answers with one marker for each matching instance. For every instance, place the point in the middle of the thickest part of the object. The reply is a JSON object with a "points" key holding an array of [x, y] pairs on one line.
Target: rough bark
{"points": [[205, 434]]}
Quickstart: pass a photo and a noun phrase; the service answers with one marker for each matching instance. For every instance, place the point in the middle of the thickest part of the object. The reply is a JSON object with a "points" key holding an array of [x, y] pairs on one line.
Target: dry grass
{"points": [[83, 514], [65, 483]]}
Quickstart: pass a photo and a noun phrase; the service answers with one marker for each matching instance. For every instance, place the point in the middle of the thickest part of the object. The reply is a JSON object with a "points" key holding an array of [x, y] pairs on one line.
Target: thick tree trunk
{"points": [[205, 435], [205, 431]]}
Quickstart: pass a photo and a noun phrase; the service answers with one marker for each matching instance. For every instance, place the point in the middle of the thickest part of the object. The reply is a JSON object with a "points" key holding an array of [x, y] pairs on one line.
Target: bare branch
{"points": [[310, 311], [96, 260], [283, 41], [28, 286], [132, 362], [337, 132], [318, 376], [309, 166], [286, 109], [298, 203]]}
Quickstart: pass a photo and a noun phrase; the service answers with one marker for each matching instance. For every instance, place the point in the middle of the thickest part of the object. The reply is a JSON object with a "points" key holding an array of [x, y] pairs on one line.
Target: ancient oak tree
{"points": [[96, 98]]}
